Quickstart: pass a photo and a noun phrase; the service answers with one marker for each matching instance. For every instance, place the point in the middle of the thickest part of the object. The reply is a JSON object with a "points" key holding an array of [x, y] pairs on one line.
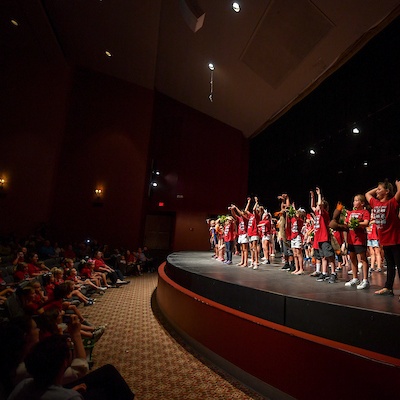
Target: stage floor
{"points": [[272, 279]]}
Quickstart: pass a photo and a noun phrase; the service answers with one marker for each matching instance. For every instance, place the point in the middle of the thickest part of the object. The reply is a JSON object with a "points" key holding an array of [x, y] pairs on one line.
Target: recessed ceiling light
{"points": [[14, 22], [236, 7], [108, 54]]}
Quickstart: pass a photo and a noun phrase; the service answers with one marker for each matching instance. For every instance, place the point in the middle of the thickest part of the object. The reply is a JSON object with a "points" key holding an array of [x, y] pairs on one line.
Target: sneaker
{"points": [[98, 333], [285, 267], [120, 282], [255, 266], [332, 278], [352, 282], [322, 277], [350, 272], [229, 263], [315, 273], [363, 285]]}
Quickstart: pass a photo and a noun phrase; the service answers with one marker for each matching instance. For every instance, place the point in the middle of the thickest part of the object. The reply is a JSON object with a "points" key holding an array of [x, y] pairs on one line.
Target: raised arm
{"points": [[397, 195], [372, 193], [312, 200], [247, 205]]}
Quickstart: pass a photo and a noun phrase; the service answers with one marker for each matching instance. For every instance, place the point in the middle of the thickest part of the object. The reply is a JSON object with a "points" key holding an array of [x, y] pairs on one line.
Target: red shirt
{"points": [[372, 232], [252, 224], [86, 272], [229, 232], [357, 236], [33, 269], [242, 225], [387, 220], [296, 226], [20, 275], [321, 230], [98, 262], [264, 227]]}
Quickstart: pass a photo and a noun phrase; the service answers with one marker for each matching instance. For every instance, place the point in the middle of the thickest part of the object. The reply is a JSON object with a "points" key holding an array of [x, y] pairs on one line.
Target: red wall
{"points": [[66, 133], [201, 159], [33, 113], [105, 146]]}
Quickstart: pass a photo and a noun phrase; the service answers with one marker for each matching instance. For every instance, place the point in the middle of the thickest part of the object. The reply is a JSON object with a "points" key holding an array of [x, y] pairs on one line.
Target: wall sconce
{"points": [[98, 199]]}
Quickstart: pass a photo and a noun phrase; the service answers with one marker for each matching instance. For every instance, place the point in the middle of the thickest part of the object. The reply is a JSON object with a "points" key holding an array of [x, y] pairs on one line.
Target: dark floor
{"points": [[272, 279]]}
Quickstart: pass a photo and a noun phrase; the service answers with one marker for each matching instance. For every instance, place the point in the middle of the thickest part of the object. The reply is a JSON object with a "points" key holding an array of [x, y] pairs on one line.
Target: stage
{"points": [[332, 315]]}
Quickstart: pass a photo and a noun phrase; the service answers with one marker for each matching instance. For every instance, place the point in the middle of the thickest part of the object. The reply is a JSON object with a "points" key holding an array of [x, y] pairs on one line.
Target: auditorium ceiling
{"points": [[266, 57]]}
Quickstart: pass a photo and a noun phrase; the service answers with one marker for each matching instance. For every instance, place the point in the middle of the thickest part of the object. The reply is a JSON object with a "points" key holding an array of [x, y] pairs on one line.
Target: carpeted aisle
{"points": [[154, 361]]}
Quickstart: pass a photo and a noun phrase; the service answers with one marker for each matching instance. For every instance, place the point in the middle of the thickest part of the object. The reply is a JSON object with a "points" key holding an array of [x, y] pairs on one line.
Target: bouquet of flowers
{"points": [[354, 223], [291, 211]]}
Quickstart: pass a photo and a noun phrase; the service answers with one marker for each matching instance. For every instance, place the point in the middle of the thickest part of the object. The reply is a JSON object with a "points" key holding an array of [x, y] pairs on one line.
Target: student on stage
{"points": [[296, 243], [229, 238], [243, 239], [357, 220], [385, 206], [265, 233], [322, 240], [252, 231]]}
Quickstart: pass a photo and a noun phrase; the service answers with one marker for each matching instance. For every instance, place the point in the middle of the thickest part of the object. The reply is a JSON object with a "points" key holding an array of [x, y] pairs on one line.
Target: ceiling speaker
{"points": [[192, 14]]}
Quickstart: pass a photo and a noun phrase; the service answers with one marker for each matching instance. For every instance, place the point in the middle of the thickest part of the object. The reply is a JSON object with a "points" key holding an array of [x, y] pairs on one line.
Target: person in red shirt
{"points": [[357, 221], [36, 268], [322, 240], [296, 243], [374, 246], [264, 229], [243, 239], [385, 206], [21, 273], [229, 238], [252, 231]]}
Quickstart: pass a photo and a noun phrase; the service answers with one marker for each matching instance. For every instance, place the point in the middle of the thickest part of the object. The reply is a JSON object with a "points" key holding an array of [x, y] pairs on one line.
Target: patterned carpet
{"points": [[153, 359]]}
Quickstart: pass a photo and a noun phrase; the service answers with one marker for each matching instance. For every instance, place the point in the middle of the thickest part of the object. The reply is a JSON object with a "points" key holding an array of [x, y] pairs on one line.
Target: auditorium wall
{"points": [[69, 132]]}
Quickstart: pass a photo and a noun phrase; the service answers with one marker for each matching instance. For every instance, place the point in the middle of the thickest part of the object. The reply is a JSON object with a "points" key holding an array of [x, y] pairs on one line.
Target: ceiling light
{"points": [[356, 131], [365, 163], [211, 66], [312, 152], [14, 22], [154, 184], [108, 54], [236, 7]]}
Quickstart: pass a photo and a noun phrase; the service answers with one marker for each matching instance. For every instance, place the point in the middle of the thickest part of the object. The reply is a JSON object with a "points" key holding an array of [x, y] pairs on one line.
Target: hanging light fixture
{"points": [[211, 67]]}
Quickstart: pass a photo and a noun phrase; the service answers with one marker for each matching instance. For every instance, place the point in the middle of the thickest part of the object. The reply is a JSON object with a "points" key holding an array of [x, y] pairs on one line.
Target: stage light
{"points": [[236, 7], [211, 66], [356, 131], [312, 152], [154, 184]]}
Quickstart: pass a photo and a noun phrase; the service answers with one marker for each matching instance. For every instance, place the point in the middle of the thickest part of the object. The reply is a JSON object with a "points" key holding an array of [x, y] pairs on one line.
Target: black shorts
{"points": [[357, 248], [326, 249]]}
